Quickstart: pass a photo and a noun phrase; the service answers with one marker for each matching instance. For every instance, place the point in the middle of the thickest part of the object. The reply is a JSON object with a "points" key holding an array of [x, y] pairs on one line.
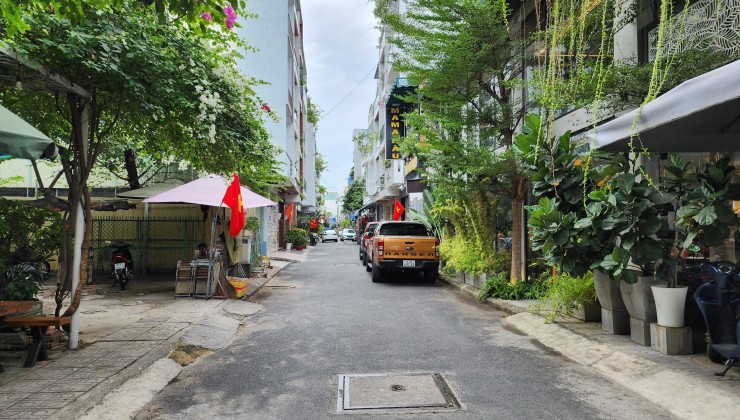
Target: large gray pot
{"points": [[607, 290], [638, 298], [614, 316]]}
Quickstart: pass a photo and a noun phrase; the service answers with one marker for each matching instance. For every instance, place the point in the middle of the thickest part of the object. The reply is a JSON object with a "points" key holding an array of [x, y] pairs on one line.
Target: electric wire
{"points": [[375, 66]]}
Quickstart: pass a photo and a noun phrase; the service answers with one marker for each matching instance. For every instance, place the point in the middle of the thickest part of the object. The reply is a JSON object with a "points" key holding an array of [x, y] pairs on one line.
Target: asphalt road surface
{"points": [[324, 318]]}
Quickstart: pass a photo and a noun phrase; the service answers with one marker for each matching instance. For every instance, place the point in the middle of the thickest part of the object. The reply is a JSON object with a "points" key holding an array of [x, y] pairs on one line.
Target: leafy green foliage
{"points": [[252, 223], [156, 89], [462, 57], [706, 210], [352, 200], [462, 254], [426, 216], [28, 228], [296, 236], [20, 282], [499, 287], [565, 294], [31, 231], [564, 229], [14, 12]]}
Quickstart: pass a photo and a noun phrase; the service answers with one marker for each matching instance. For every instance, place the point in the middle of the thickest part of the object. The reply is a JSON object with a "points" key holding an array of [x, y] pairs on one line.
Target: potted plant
{"points": [[703, 217], [559, 176], [564, 227], [297, 237], [634, 209], [251, 225]]}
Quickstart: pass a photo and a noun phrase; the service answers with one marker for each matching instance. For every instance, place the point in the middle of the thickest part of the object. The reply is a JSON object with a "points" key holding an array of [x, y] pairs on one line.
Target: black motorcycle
{"points": [[25, 257], [122, 264]]}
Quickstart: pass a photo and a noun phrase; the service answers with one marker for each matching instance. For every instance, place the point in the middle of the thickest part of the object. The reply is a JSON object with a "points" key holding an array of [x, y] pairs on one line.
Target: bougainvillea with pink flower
{"points": [[230, 16], [206, 16]]}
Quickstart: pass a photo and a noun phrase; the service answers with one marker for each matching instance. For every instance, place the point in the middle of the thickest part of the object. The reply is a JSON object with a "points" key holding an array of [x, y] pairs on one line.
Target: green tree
{"points": [[201, 14], [352, 200], [466, 64], [168, 91]]}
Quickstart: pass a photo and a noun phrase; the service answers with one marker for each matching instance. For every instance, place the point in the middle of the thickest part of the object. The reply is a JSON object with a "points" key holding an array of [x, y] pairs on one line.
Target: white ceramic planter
{"points": [[288, 245], [670, 304]]}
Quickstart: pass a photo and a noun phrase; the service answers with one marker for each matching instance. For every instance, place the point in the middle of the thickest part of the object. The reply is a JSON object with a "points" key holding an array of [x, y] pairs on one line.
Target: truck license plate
{"points": [[120, 266], [409, 263]]}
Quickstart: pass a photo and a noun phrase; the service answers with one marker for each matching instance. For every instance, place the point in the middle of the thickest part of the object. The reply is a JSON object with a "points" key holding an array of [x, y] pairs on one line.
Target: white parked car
{"points": [[349, 234], [329, 235]]}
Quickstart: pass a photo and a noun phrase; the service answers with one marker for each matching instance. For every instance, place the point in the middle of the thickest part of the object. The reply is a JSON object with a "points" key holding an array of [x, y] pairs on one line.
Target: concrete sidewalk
{"points": [[685, 386], [125, 340]]}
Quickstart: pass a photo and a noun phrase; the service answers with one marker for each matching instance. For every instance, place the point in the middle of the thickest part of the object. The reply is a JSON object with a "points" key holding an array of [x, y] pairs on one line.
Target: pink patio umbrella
{"points": [[208, 191]]}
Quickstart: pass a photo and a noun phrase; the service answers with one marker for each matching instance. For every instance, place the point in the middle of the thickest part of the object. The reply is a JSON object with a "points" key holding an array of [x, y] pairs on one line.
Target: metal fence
{"points": [[34, 192], [156, 243]]}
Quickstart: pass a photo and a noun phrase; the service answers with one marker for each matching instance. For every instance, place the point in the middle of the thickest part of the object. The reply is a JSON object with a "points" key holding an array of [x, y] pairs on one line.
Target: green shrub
{"points": [[296, 236], [463, 255], [566, 294], [499, 262], [21, 282], [33, 232], [498, 286]]}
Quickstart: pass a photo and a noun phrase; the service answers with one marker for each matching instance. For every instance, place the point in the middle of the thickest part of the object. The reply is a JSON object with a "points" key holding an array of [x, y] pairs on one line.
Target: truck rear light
{"points": [[380, 247], [436, 248]]}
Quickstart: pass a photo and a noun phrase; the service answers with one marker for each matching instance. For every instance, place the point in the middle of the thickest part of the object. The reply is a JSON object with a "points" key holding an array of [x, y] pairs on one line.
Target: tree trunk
{"points": [[517, 229], [132, 172]]}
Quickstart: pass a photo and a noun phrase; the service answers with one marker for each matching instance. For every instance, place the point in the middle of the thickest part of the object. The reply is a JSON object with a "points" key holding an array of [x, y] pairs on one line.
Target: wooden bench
{"points": [[38, 326]]}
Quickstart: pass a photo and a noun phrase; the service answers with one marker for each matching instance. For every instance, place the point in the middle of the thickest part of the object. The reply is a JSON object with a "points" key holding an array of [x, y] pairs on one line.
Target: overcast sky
{"points": [[340, 41]]}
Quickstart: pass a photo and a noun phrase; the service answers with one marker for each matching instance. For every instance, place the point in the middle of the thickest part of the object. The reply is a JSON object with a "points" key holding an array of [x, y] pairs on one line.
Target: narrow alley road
{"points": [[325, 318]]}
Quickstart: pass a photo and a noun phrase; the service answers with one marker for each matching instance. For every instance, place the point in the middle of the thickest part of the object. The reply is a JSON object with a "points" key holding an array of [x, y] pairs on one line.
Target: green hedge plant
{"points": [[566, 294], [499, 287], [296, 236]]}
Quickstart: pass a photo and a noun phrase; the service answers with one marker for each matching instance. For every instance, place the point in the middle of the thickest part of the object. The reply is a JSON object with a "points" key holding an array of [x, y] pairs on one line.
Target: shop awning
{"points": [[20, 139], [700, 115], [208, 191]]}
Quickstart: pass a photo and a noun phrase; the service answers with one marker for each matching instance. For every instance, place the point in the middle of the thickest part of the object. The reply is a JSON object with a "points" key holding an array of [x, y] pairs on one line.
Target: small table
{"points": [[10, 307]]}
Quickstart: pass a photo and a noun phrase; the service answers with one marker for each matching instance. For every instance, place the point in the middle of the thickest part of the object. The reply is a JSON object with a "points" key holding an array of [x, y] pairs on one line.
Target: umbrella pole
{"points": [[211, 257]]}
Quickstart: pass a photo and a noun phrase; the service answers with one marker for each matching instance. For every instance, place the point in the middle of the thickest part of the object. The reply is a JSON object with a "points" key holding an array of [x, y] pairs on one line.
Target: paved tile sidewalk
{"points": [[52, 385]]}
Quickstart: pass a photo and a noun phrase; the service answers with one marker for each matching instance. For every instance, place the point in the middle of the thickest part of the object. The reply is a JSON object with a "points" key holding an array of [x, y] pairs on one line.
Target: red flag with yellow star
{"points": [[397, 210], [233, 199]]}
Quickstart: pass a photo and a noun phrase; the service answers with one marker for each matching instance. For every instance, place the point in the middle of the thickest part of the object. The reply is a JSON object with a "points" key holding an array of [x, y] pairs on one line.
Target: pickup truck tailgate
{"points": [[416, 247]]}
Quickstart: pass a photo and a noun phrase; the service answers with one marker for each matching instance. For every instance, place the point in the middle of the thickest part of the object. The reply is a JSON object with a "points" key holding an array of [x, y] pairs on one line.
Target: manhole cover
{"points": [[394, 392]]}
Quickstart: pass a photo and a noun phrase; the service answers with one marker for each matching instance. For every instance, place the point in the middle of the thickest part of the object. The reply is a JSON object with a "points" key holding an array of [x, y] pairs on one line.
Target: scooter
{"points": [[719, 303], [24, 257], [122, 264], [313, 239]]}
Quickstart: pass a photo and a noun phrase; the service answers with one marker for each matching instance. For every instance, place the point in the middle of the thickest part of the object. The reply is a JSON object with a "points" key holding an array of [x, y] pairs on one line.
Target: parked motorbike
{"points": [[719, 303], [122, 264], [25, 257], [313, 239]]}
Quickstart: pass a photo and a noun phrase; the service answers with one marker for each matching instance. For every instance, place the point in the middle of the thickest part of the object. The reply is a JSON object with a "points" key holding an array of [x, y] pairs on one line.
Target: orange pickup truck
{"points": [[403, 246]]}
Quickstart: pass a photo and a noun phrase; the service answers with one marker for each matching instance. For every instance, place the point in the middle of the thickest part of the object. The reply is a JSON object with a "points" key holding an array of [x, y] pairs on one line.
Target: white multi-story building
{"points": [[277, 34], [376, 156]]}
